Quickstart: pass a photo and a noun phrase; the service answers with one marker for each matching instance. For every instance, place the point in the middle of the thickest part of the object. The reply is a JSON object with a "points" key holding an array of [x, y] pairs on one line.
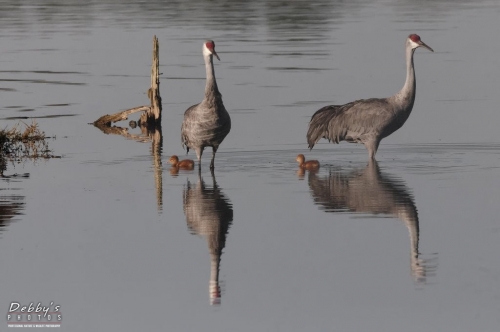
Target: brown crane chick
{"points": [[309, 165], [183, 164]]}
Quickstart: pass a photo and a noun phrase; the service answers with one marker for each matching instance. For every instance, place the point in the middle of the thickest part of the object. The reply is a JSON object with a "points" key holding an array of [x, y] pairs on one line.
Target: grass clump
{"points": [[21, 142]]}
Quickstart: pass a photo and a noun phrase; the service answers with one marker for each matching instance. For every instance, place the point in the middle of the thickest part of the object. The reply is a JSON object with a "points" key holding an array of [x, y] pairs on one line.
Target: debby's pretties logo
{"points": [[34, 315]]}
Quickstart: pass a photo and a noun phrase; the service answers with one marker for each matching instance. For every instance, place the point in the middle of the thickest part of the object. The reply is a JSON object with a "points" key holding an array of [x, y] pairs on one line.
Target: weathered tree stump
{"points": [[151, 116]]}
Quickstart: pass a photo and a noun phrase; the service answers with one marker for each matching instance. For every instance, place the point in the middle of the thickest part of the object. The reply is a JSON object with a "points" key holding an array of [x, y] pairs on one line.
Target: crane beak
{"points": [[215, 53], [421, 43]]}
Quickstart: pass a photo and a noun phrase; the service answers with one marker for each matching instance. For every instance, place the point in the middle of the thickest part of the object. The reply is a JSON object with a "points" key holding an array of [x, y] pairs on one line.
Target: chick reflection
{"points": [[369, 190], [209, 214]]}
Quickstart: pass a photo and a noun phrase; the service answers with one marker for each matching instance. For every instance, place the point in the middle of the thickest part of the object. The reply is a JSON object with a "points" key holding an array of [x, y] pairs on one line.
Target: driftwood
{"points": [[149, 122], [107, 119], [151, 115]]}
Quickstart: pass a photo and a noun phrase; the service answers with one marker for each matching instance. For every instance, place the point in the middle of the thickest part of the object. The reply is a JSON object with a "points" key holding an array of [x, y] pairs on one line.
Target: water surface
{"points": [[124, 243]]}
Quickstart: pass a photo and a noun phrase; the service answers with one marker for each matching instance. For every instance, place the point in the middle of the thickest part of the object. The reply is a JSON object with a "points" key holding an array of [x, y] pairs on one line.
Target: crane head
{"points": [[416, 42], [209, 47]]}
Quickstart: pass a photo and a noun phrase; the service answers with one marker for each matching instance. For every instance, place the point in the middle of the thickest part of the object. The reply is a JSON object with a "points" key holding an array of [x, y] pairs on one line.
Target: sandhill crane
{"points": [[207, 123], [368, 121]]}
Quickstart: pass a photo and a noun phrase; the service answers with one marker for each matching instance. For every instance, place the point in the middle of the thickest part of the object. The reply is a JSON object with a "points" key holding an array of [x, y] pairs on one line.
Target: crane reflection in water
{"points": [[368, 190], [209, 213]]}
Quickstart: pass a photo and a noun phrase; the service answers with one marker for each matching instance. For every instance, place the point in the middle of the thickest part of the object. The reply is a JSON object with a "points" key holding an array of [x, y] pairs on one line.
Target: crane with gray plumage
{"points": [[368, 121], [207, 123]]}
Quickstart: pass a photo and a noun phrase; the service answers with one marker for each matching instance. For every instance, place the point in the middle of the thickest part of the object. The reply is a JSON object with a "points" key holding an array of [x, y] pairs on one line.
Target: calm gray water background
{"points": [[410, 244]]}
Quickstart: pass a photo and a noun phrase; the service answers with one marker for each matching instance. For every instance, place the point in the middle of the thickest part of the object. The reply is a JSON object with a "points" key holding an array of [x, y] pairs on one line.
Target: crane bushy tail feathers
{"points": [[322, 125]]}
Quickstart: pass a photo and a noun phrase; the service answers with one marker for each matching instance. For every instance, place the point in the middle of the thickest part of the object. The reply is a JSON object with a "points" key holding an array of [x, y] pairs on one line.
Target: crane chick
{"points": [[309, 165], [183, 164]]}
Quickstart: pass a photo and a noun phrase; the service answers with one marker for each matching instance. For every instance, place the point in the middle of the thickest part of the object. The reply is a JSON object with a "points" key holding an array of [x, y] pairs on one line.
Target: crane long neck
{"points": [[211, 89], [406, 96]]}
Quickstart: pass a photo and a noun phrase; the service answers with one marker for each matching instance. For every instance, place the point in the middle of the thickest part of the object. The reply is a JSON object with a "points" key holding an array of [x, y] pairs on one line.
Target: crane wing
{"points": [[349, 122], [186, 126]]}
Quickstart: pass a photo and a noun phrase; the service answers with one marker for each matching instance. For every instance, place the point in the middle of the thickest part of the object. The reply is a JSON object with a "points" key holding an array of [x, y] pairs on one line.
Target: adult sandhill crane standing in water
{"points": [[207, 123], [368, 121]]}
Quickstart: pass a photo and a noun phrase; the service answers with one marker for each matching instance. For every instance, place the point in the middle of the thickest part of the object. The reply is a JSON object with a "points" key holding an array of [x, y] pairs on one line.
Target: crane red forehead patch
{"points": [[210, 45], [414, 38]]}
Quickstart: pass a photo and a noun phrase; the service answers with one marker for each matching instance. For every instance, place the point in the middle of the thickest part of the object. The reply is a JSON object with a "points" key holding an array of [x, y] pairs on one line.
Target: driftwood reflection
{"points": [[148, 134], [368, 190], [156, 149], [209, 213]]}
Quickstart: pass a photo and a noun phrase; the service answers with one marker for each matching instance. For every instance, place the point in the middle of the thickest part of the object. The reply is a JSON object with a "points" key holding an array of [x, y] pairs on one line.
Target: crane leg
{"points": [[199, 152], [372, 147], [214, 150]]}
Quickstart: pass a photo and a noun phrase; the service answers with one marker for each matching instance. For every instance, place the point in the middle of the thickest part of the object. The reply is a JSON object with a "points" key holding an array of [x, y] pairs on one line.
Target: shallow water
{"points": [[123, 243]]}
